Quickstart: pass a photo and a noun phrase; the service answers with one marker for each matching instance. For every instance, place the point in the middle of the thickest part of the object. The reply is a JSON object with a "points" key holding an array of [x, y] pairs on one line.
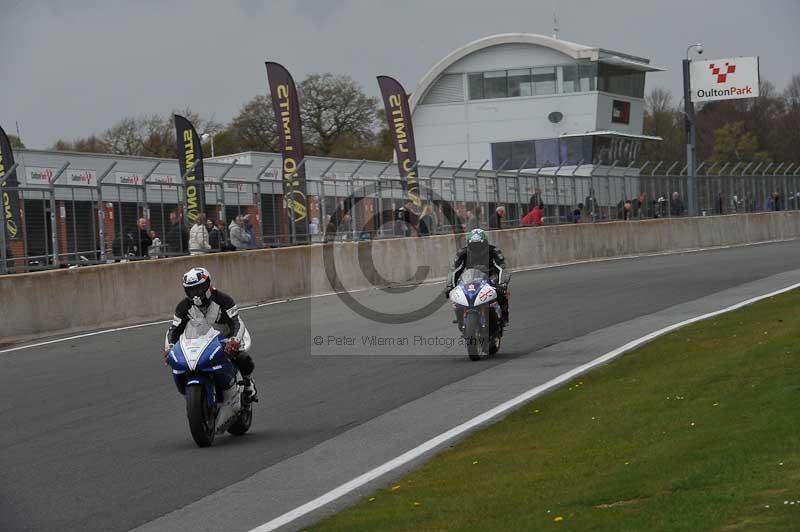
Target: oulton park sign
{"points": [[724, 79]]}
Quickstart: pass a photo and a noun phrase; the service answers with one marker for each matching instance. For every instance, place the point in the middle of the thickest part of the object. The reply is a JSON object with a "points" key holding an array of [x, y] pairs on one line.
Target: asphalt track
{"points": [[94, 434]]}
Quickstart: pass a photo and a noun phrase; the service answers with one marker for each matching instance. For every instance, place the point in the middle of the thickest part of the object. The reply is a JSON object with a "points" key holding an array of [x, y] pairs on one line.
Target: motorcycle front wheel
{"points": [[472, 323], [202, 422]]}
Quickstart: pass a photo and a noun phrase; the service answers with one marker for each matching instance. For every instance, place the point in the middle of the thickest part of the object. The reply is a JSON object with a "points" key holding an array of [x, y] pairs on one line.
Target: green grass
{"points": [[699, 430]]}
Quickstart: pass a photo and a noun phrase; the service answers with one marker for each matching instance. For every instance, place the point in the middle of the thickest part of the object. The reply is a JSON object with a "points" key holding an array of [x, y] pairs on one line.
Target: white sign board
{"points": [[86, 178], [724, 79], [39, 176]]}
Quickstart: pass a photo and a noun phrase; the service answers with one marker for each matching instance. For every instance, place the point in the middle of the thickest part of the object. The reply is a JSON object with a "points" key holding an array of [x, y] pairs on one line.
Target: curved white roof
{"points": [[574, 50]]}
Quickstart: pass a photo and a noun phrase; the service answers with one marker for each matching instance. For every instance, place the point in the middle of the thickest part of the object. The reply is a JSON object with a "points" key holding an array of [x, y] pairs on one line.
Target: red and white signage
{"points": [[85, 178], [39, 176], [724, 79]]}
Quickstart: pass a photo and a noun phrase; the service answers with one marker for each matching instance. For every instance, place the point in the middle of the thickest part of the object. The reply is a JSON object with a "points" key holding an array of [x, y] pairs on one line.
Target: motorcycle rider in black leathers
{"points": [[481, 255], [203, 302]]}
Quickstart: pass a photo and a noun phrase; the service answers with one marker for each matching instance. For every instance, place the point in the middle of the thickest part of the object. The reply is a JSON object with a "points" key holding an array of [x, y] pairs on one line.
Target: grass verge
{"points": [[699, 430]]}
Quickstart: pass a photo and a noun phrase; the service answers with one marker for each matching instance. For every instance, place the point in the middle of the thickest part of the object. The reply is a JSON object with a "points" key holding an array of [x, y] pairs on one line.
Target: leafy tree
{"points": [[335, 112], [662, 119], [732, 142], [254, 127]]}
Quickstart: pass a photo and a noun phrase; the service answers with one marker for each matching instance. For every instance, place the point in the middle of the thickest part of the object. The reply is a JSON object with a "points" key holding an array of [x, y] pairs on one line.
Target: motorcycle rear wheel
{"points": [[243, 421], [202, 423]]}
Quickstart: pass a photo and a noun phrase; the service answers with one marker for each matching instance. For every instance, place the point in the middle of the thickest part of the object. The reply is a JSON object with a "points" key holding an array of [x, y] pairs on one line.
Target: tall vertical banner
{"points": [[287, 115], [11, 221], [398, 115], [189, 152]]}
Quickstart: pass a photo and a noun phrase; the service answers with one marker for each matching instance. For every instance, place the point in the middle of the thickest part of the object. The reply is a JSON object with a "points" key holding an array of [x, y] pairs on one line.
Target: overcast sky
{"points": [[70, 68]]}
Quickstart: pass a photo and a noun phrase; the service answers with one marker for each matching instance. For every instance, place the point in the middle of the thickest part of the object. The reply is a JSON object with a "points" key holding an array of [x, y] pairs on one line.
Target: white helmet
{"points": [[197, 285]]}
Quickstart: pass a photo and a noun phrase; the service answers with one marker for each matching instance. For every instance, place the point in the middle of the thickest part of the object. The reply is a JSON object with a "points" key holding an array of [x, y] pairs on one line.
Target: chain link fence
{"points": [[133, 208]]}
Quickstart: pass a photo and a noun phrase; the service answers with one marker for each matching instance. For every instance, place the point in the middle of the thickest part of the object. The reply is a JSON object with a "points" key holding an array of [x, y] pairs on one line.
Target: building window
{"points": [[547, 152], [575, 150], [544, 78], [495, 84], [570, 79], [513, 155], [519, 82], [475, 81], [578, 77], [588, 76], [501, 155], [622, 81], [620, 112]]}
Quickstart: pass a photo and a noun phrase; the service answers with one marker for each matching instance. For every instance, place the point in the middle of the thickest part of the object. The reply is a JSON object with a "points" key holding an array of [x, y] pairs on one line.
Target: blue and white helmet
{"points": [[197, 285]]}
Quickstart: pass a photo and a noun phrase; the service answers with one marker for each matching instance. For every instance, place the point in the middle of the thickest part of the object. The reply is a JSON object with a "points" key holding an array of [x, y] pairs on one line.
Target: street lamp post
{"points": [[691, 133], [207, 137]]}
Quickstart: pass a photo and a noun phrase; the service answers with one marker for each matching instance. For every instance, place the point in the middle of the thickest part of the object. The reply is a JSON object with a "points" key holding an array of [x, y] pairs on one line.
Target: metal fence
{"points": [[99, 219]]}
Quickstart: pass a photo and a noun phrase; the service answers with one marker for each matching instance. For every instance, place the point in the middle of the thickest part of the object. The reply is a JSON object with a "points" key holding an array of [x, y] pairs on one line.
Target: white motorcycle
{"points": [[212, 384], [479, 313]]}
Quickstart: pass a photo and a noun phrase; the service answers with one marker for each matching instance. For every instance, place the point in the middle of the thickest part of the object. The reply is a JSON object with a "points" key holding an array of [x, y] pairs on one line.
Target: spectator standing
{"points": [[214, 235], [250, 232], [627, 209], [496, 219], [407, 219], [676, 207], [426, 223], [773, 202], [198, 236], [534, 217], [330, 228], [144, 241], [238, 238], [177, 237], [154, 251], [577, 213], [641, 205]]}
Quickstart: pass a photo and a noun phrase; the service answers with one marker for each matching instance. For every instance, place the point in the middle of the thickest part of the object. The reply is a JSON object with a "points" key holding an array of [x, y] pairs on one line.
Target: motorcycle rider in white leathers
{"points": [[203, 302]]}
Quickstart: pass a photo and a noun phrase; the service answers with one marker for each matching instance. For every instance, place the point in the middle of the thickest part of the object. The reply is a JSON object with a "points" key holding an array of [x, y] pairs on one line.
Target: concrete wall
{"points": [[60, 301]]}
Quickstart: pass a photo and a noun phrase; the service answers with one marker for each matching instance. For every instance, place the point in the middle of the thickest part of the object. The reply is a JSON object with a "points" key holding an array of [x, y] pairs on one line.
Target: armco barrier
{"points": [[62, 301]]}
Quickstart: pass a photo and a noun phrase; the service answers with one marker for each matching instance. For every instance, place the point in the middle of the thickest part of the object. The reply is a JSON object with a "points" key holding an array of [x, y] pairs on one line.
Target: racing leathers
{"points": [[222, 314], [490, 260]]}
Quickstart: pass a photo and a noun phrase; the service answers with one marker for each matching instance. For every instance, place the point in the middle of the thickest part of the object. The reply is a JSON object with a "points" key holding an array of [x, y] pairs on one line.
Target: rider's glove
{"points": [[166, 354], [232, 347], [447, 290]]}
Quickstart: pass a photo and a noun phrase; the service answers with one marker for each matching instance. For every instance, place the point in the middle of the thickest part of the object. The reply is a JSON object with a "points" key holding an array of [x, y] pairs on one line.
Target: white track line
{"points": [[487, 416], [429, 282]]}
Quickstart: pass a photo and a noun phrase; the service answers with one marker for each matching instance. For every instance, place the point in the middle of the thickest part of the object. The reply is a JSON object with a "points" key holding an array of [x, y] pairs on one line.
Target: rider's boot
{"points": [[250, 392]]}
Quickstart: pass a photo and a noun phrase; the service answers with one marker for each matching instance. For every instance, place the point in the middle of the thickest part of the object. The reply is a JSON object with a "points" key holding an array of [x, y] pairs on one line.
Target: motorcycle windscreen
{"points": [[472, 275]]}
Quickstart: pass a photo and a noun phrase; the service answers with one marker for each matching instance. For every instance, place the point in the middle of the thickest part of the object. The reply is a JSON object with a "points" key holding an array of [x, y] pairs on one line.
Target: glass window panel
{"points": [[602, 150], [624, 81], [544, 79], [571, 81], [476, 86], [501, 155], [494, 84], [523, 155], [519, 82], [588, 76], [572, 151], [547, 152]]}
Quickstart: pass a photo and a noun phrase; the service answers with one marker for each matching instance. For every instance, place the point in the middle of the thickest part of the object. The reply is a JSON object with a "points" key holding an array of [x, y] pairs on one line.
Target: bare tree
{"points": [[658, 101], [792, 92]]}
